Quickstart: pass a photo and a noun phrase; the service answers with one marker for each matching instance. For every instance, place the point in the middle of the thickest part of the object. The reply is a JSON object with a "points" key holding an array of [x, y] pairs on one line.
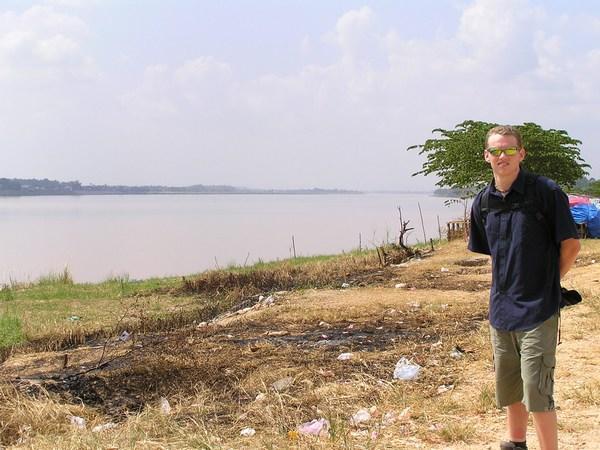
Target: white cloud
{"points": [[340, 123], [41, 44], [71, 3], [499, 35], [56, 49], [503, 64]]}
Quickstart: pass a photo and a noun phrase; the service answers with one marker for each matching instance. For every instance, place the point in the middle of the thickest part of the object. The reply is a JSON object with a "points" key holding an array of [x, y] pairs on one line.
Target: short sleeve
{"points": [[478, 242], [564, 225]]}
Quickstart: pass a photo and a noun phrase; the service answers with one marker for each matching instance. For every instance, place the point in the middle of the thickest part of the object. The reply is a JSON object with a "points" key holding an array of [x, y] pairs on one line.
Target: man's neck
{"points": [[503, 184]]}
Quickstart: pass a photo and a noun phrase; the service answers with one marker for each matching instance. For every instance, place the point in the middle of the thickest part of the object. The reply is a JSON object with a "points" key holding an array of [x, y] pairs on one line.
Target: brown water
{"points": [[158, 235]]}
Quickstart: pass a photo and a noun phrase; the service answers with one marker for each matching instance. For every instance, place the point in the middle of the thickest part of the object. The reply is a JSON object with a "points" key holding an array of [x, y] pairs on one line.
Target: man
{"points": [[523, 221]]}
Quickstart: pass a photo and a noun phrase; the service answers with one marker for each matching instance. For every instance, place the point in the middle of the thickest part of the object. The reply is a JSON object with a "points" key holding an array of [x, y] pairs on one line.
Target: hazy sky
{"points": [[284, 94]]}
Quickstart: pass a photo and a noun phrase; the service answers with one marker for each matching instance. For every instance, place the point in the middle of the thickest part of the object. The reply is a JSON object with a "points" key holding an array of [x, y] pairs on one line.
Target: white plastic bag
{"points": [[405, 370]]}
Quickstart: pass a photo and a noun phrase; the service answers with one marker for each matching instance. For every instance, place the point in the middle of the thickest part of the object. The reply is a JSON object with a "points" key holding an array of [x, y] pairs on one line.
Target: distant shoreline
{"points": [[283, 192], [95, 194], [17, 187], [20, 187]]}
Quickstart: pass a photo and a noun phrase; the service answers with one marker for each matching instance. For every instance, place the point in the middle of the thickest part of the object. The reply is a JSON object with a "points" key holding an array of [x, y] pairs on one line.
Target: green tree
{"points": [[593, 189], [456, 156]]}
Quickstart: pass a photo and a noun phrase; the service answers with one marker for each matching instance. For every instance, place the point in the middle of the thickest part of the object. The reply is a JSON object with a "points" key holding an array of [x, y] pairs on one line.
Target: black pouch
{"points": [[569, 297]]}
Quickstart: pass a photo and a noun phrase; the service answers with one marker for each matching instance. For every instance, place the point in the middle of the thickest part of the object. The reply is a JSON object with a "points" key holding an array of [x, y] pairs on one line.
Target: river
{"points": [[142, 236]]}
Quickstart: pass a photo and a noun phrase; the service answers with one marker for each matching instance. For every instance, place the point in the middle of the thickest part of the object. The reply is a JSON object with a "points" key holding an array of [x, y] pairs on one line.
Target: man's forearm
{"points": [[569, 249]]}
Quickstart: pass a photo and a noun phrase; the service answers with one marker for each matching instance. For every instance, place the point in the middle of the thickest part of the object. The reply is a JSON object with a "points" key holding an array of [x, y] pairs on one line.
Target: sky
{"points": [[282, 94]]}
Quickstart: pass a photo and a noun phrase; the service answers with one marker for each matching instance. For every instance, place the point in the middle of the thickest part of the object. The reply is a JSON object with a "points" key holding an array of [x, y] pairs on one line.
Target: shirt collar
{"points": [[518, 185]]}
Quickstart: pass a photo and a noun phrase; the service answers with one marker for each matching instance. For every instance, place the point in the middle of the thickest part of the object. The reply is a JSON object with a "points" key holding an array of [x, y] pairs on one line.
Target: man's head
{"points": [[504, 130], [504, 150]]}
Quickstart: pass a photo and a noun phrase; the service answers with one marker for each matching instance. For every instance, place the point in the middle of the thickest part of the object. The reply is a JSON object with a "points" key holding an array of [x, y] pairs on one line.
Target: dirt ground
{"points": [[432, 311]]}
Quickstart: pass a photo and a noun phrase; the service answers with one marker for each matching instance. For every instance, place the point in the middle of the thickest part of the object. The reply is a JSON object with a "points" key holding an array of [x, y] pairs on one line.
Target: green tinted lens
{"points": [[510, 151]]}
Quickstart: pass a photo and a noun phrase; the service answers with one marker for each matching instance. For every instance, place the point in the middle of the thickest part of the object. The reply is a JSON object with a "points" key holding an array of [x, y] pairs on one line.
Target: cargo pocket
{"points": [[546, 384]]}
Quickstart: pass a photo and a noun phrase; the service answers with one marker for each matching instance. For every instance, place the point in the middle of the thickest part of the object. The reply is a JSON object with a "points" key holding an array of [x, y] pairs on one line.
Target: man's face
{"points": [[503, 164]]}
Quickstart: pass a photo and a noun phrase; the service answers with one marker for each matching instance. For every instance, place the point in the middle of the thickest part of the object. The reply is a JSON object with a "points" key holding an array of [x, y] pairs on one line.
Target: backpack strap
{"points": [[484, 202], [531, 200]]}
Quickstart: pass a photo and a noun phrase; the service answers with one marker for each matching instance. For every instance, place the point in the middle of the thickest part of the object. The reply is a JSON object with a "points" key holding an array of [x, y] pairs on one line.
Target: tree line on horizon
{"points": [[33, 186]]}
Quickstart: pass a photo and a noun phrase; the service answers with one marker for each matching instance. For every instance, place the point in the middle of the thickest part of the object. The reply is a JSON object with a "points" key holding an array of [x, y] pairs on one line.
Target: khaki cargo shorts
{"points": [[524, 365]]}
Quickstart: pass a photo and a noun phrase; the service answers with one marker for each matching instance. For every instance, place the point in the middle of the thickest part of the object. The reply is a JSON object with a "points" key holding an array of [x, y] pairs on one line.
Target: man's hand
{"points": [[569, 248]]}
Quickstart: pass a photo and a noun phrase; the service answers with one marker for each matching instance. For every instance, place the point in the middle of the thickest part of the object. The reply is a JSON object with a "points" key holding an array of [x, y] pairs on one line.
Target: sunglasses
{"points": [[510, 151]]}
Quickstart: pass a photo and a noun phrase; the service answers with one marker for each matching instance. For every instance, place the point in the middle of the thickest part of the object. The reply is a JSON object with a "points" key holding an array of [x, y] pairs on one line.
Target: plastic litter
{"points": [[103, 427], [268, 301], [389, 418], [260, 397], [406, 370], [345, 285], [361, 416], [248, 432], [164, 406], [405, 414], [316, 427], [444, 269], [400, 285], [457, 353], [283, 384], [74, 318], [124, 336], [344, 356], [445, 388], [77, 422]]}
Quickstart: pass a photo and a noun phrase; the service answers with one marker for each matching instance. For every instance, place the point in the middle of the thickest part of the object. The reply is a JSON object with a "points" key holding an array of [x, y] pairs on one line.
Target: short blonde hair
{"points": [[505, 130]]}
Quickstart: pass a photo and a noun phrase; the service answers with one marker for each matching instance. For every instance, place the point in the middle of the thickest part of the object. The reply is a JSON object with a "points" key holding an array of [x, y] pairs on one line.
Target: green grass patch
{"points": [[55, 305], [11, 331], [299, 261]]}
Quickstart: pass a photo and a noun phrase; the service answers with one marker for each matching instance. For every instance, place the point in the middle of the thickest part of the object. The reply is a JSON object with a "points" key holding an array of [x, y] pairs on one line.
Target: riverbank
{"points": [[276, 363]]}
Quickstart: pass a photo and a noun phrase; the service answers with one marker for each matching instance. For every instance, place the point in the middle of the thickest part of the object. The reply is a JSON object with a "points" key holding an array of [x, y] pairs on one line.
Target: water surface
{"points": [[157, 235]]}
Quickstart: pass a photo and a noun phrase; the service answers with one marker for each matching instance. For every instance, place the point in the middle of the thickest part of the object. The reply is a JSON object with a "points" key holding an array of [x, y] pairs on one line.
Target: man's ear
{"points": [[523, 153], [486, 156]]}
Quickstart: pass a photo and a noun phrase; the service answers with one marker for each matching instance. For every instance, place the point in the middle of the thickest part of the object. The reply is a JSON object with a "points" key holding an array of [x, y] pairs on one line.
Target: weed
{"points": [[11, 331], [486, 399], [587, 394], [60, 278], [6, 294], [458, 432], [290, 274]]}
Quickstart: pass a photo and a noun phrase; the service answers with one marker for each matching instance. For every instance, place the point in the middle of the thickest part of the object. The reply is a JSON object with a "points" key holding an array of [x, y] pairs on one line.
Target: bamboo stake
{"points": [[422, 223]]}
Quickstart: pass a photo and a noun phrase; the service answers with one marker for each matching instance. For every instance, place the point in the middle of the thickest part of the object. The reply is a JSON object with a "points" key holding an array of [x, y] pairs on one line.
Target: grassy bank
{"points": [[55, 312]]}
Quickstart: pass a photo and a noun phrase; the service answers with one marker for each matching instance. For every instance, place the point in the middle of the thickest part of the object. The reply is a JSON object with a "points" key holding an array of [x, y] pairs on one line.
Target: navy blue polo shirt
{"points": [[524, 246]]}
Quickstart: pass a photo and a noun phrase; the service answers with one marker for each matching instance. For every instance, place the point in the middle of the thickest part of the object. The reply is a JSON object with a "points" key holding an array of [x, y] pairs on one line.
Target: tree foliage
{"points": [[593, 189], [456, 156]]}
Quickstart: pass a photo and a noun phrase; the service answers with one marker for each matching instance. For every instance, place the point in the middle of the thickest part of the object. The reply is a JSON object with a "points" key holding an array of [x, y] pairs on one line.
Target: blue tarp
{"points": [[587, 213]]}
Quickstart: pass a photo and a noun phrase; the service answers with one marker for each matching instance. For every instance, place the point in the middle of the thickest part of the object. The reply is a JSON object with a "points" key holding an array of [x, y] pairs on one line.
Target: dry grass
{"points": [[219, 378], [587, 394], [285, 275]]}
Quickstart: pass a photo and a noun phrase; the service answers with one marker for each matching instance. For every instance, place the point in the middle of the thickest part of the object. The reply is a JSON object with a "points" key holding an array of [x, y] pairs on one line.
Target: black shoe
{"points": [[508, 445]]}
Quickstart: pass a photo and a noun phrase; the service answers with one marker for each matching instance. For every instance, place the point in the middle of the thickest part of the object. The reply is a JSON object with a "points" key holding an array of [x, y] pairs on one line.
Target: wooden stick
{"points": [[439, 227], [422, 223], [294, 246]]}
